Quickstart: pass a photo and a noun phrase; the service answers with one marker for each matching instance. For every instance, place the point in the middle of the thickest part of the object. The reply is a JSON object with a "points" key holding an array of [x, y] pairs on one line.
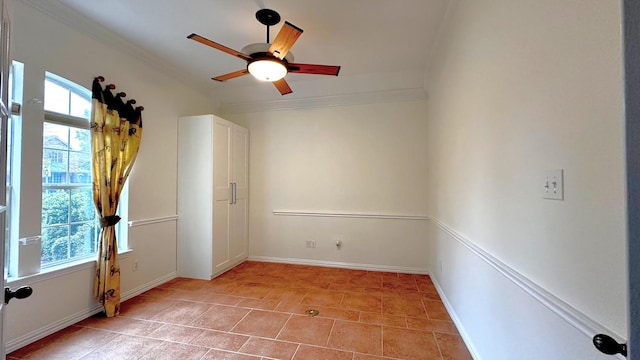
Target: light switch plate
{"points": [[553, 185]]}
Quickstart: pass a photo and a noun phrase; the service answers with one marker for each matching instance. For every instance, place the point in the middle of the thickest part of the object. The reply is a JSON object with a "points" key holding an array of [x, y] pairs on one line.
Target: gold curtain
{"points": [[116, 130]]}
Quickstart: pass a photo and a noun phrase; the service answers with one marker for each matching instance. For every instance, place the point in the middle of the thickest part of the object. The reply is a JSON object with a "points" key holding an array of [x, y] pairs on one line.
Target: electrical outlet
{"points": [[338, 241], [135, 265], [311, 244], [553, 185]]}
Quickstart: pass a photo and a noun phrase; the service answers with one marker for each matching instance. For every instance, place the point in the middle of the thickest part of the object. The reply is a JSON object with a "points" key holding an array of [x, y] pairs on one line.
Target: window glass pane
{"points": [[80, 159], [79, 139], [15, 94], [80, 106], [69, 225], [82, 208], [54, 167], [56, 98], [83, 239], [55, 243], [55, 207], [55, 151], [79, 168], [55, 136]]}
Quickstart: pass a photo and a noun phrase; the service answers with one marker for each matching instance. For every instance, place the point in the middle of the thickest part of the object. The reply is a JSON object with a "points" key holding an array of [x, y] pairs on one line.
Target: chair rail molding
{"points": [[156, 220]]}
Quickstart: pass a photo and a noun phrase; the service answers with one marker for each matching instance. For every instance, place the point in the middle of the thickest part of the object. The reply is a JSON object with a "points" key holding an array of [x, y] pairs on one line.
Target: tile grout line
{"points": [[205, 354], [382, 339], [295, 352], [424, 307], [330, 333], [283, 326], [437, 344], [238, 322]]}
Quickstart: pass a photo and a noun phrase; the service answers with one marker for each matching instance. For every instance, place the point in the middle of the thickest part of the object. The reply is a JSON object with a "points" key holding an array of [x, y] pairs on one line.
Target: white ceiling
{"points": [[382, 45]]}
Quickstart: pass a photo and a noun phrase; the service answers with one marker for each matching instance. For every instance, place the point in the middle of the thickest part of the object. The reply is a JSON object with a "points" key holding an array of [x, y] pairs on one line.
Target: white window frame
{"points": [[77, 263]]}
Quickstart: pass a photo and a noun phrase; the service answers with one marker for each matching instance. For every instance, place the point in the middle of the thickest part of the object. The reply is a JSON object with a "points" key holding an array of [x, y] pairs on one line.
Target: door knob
{"points": [[19, 293], [606, 344]]}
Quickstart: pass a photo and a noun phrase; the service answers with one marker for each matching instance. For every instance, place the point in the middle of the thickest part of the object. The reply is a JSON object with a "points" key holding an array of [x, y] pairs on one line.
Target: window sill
{"points": [[60, 270]]}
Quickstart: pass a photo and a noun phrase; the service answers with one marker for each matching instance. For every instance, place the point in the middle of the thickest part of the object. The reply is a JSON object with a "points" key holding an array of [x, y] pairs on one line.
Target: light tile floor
{"points": [[257, 311]]}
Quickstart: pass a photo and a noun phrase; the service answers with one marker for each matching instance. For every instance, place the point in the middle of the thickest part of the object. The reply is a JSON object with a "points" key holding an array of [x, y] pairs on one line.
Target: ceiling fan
{"points": [[270, 61]]}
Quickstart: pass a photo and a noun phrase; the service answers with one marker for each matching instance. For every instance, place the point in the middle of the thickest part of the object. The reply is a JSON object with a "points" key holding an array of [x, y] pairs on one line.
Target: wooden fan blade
{"points": [[314, 69], [215, 45], [284, 40], [283, 86], [231, 75]]}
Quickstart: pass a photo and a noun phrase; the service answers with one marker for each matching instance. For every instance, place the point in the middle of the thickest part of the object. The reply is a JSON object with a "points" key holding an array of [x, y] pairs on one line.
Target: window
{"points": [[65, 97], [15, 96], [69, 222]]}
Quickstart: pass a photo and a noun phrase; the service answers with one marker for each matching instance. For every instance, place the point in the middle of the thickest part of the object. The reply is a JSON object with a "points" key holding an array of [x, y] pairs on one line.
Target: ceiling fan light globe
{"points": [[267, 69]]}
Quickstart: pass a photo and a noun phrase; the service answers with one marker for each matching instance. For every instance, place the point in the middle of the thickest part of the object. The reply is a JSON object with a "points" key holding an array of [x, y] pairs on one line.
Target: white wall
{"points": [[42, 43], [518, 87], [351, 159]]}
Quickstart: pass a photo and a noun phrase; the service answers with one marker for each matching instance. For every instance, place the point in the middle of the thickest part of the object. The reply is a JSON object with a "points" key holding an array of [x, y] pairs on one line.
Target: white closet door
{"points": [[240, 208], [222, 179]]}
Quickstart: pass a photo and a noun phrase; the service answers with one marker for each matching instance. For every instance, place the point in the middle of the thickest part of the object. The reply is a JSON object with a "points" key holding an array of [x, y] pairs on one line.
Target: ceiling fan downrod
{"points": [[268, 18]]}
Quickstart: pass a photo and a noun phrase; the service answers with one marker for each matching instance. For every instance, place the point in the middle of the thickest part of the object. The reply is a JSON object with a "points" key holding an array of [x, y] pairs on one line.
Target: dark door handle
{"points": [[606, 344], [19, 293]]}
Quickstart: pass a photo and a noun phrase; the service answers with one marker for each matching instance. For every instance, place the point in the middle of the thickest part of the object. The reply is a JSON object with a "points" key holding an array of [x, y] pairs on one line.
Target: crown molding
{"points": [[384, 96], [75, 20]]}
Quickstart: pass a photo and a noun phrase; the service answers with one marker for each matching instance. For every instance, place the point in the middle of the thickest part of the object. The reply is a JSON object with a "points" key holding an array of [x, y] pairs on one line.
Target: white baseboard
{"points": [[58, 325], [349, 214], [355, 266], [40, 333], [456, 320], [147, 286]]}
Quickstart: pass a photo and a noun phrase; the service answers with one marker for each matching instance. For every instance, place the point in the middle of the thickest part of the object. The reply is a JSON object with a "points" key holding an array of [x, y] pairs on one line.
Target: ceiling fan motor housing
{"points": [[257, 50]]}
